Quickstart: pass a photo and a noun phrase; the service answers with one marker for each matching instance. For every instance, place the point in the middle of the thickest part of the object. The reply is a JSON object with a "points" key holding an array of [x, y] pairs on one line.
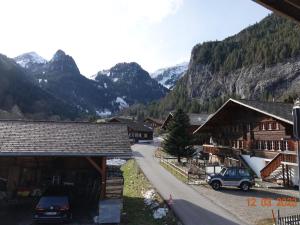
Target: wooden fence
{"points": [[288, 220]]}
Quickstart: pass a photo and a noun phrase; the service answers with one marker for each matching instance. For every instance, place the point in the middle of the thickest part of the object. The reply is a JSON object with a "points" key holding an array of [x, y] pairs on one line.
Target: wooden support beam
{"points": [[103, 178], [287, 175], [283, 175], [102, 170], [95, 165]]}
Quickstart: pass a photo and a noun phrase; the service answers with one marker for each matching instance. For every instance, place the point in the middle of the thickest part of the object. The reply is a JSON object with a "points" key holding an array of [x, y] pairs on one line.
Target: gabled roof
{"points": [[134, 125], [29, 138], [278, 110]]}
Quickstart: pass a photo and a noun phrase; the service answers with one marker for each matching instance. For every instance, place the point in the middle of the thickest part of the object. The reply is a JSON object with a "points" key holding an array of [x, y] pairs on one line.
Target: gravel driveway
{"points": [[229, 203]]}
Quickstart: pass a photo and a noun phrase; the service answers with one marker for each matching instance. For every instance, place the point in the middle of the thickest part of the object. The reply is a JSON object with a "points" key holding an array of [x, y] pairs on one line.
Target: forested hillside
{"points": [[261, 62]]}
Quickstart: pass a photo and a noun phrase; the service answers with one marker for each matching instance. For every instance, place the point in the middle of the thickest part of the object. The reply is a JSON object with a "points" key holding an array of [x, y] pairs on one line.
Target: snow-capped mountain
{"points": [[131, 83], [106, 93], [27, 59], [21, 98], [170, 75]]}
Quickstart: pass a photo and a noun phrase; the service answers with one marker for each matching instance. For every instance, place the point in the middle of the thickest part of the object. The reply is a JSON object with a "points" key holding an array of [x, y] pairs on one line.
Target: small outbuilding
{"points": [[34, 155], [137, 131]]}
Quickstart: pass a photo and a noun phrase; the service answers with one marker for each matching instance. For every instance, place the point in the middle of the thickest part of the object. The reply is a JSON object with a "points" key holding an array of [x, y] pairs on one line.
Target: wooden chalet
{"points": [[154, 123], [196, 120], [255, 134], [34, 155], [289, 8], [137, 131]]}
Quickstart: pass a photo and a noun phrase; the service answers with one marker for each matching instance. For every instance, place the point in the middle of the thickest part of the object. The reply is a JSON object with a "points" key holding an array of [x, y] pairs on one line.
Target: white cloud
{"points": [[97, 33]]}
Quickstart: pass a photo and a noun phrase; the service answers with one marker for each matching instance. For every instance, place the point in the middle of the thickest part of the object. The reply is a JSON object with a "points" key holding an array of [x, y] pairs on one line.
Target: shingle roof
{"points": [[135, 125], [63, 138], [277, 109]]}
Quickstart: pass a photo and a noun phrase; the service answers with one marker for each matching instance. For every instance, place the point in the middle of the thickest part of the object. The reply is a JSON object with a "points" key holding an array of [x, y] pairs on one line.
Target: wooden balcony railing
{"points": [[276, 162]]}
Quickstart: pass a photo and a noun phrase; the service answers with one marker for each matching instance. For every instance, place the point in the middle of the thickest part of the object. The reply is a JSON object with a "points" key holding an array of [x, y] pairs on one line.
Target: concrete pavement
{"points": [[190, 207]]}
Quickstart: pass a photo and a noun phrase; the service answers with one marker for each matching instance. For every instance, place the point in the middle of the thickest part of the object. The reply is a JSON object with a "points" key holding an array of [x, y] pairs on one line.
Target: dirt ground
{"points": [[255, 205]]}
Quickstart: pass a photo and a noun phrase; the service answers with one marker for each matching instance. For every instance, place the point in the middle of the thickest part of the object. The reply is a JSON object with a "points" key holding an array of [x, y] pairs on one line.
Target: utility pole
{"points": [[296, 120]]}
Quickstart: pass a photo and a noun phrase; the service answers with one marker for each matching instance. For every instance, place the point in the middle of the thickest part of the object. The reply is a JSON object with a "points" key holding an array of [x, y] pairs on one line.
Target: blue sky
{"points": [[101, 33]]}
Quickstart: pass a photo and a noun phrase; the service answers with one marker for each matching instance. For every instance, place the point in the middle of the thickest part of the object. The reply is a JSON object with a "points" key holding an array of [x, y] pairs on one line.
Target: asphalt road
{"points": [[191, 207]]}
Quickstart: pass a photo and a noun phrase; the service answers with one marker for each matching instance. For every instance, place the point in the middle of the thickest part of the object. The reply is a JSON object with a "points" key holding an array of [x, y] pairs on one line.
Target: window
{"points": [[244, 172], [269, 126], [231, 172], [241, 144], [260, 145], [272, 145], [286, 145]]}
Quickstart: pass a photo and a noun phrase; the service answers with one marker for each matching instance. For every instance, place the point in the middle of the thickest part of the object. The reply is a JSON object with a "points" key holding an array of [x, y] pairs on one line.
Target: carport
{"points": [[34, 155]]}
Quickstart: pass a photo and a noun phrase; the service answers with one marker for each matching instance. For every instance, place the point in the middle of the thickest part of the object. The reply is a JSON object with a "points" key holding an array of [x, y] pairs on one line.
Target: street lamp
{"points": [[296, 128]]}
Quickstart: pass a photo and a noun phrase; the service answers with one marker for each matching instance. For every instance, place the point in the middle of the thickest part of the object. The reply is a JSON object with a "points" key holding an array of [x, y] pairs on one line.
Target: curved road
{"points": [[191, 207]]}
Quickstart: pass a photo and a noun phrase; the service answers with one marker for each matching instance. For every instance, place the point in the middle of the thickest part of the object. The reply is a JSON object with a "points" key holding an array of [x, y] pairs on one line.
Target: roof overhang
{"points": [[289, 8], [63, 154], [247, 106]]}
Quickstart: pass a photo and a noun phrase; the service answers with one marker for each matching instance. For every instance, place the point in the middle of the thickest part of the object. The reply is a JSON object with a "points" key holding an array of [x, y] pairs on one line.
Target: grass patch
{"points": [[137, 213], [174, 172]]}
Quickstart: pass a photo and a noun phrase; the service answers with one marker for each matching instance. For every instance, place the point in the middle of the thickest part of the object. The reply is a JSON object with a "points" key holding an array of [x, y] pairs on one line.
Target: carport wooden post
{"points": [[102, 170], [103, 177]]}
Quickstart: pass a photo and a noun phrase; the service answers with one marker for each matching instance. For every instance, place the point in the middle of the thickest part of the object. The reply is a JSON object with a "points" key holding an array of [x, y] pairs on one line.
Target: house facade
{"points": [[154, 123], [255, 134]]}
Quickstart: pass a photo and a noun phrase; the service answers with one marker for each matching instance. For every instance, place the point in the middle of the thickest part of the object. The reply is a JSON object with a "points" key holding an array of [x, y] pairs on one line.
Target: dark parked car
{"points": [[232, 176], [54, 206]]}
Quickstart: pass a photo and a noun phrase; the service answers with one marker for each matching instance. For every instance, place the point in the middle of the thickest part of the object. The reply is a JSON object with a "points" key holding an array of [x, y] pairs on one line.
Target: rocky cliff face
{"points": [[253, 82], [262, 62]]}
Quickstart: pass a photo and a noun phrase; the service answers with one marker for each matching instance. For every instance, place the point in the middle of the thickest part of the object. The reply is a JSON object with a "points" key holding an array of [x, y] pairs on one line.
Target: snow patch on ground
{"points": [[160, 213], [122, 103], [115, 162], [149, 197], [105, 112], [149, 200]]}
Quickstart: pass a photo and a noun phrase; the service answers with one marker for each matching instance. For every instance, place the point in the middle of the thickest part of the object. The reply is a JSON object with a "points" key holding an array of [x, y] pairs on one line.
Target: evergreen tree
{"points": [[178, 141]]}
